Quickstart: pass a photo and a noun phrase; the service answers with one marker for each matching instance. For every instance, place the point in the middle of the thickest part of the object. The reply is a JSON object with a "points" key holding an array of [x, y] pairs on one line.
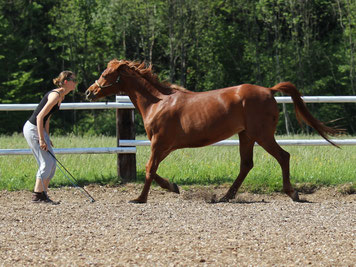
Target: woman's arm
{"points": [[47, 128], [53, 99], [47, 124]]}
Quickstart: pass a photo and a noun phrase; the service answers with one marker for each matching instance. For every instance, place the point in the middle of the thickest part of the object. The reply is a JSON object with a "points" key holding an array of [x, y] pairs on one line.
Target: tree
{"points": [[202, 45], [25, 73]]}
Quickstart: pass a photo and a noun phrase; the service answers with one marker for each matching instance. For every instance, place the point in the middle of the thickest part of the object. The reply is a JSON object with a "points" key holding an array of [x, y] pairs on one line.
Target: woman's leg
{"points": [[39, 187], [47, 167], [46, 163]]}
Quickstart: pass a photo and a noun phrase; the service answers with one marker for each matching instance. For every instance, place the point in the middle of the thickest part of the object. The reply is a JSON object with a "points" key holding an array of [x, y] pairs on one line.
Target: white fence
{"points": [[123, 102], [129, 146], [86, 150], [286, 142]]}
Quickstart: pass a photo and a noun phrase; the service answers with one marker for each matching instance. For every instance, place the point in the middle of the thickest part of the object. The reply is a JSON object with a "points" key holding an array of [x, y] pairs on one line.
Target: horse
{"points": [[175, 118]]}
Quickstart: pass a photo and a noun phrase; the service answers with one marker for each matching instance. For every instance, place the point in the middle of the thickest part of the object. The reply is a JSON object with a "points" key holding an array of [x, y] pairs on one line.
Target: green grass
{"points": [[313, 166]]}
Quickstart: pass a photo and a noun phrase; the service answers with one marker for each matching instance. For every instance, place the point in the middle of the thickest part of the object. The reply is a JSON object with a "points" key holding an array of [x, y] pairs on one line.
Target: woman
{"points": [[36, 132]]}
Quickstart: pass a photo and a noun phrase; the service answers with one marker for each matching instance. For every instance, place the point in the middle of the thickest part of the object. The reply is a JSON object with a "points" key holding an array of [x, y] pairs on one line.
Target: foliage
{"points": [[201, 45]]}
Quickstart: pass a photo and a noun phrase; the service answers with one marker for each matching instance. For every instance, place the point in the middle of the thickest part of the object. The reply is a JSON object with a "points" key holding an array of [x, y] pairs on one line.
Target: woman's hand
{"points": [[43, 145]]}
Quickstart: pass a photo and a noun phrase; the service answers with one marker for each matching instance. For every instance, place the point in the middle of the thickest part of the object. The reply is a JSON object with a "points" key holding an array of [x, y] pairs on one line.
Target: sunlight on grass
{"points": [[321, 166]]}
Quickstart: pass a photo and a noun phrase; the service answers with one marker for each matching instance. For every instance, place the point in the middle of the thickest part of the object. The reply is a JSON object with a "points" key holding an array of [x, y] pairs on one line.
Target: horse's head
{"points": [[107, 84]]}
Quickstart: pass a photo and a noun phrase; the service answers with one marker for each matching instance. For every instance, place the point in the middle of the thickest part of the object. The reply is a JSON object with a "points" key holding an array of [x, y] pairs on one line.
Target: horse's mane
{"points": [[147, 73]]}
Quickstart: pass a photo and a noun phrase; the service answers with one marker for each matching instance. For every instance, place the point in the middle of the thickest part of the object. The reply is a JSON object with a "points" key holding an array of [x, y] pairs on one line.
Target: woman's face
{"points": [[71, 82]]}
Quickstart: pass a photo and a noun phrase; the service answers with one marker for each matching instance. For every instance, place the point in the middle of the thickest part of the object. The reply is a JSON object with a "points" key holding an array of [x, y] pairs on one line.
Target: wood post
{"points": [[125, 129]]}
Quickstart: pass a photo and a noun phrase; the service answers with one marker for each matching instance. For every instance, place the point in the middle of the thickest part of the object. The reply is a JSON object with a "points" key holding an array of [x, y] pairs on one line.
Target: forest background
{"points": [[200, 45]]}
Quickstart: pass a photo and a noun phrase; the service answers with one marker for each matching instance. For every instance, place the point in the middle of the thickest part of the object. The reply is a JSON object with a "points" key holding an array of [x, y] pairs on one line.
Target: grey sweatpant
{"points": [[46, 163]]}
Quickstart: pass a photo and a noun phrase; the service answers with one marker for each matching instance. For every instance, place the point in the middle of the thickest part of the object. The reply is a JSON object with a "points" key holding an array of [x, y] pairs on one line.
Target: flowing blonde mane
{"points": [[147, 73]]}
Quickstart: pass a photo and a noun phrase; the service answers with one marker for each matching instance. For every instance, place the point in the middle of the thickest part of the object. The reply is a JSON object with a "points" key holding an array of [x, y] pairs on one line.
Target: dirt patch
{"points": [[177, 230]]}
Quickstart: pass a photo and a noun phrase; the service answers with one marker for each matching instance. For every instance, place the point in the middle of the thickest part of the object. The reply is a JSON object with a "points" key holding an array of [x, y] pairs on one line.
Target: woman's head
{"points": [[64, 75]]}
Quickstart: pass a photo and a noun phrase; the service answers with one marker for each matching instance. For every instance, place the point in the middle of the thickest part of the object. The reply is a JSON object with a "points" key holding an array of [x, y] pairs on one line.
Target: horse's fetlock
{"points": [[293, 194]]}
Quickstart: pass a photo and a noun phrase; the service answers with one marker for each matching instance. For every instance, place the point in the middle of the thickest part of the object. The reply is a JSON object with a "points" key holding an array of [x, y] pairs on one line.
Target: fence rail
{"points": [[123, 102], [69, 106], [286, 142], [129, 146], [86, 150], [285, 99]]}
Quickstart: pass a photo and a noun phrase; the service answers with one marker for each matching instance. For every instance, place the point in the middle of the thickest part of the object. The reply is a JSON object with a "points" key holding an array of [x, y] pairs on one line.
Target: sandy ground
{"points": [[177, 230]]}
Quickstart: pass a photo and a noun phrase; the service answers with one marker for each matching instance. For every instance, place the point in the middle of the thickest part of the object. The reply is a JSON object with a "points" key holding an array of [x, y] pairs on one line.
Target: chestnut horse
{"points": [[178, 118]]}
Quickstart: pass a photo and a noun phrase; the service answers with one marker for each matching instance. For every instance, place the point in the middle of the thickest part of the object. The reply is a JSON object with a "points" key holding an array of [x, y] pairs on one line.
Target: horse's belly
{"points": [[211, 137], [201, 129], [205, 140]]}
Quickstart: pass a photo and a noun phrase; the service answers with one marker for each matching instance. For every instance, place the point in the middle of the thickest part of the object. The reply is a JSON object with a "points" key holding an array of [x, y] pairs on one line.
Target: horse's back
{"points": [[256, 93]]}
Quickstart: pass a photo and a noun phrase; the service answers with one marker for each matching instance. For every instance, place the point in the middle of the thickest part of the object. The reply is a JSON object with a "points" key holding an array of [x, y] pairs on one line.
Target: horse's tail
{"points": [[302, 112]]}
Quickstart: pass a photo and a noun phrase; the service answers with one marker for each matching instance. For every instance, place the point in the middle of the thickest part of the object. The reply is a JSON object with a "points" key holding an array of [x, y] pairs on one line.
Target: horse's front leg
{"points": [[157, 155], [151, 168], [164, 183]]}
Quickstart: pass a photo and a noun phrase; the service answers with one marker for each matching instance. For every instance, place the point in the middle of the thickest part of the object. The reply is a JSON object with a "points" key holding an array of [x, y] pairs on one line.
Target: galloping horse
{"points": [[178, 118]]}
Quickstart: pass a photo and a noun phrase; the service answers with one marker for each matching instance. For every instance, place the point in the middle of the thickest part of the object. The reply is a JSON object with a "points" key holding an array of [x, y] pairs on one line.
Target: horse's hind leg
{"points": [[246, 164], [282, 156]]}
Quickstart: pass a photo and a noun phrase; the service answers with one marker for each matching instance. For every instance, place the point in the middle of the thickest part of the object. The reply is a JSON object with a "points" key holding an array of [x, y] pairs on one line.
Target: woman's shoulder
{"points": [[56, 90], [51, 91], [53, 95]]}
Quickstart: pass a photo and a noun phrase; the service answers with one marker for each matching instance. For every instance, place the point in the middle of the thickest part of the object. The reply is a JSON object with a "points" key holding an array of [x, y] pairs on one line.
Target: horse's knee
{"points": [[150, 173], [147, 167], [149, 177], [246, 165], [284, 157]]}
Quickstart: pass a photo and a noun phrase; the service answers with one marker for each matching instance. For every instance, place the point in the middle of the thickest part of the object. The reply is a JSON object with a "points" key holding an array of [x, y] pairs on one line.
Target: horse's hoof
{"points": [[224, 199], [295, 196], [213, 199], [138, 201], [175, 188]]}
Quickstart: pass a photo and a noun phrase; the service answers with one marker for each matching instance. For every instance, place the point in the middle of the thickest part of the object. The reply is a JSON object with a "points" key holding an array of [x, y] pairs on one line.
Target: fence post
{"points": [[125, 129]]}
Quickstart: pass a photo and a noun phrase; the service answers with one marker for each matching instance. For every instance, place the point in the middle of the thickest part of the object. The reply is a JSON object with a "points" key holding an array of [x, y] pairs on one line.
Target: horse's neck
{"points": [[142, 102], [143, 95]]}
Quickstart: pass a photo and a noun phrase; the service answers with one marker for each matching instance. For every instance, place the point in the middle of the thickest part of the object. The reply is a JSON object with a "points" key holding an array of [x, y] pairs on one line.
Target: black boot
{"points": [[40, 197], [37, 197]]}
